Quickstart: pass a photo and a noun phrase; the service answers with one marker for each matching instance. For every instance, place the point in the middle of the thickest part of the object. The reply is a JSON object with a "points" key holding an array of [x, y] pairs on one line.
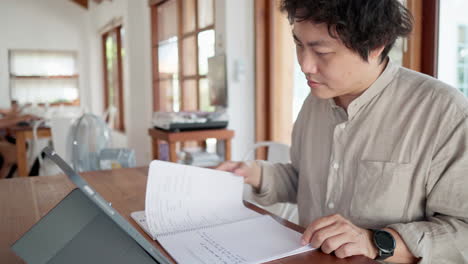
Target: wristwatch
{"points": [[384, 242]]}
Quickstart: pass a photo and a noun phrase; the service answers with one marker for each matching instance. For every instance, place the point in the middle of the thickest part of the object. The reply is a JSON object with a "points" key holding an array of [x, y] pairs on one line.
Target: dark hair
{"points": [[362, 25]]}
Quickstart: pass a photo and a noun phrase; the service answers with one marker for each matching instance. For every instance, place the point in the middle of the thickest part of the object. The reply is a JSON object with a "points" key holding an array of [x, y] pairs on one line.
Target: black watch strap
{"points": [[382, 255]]}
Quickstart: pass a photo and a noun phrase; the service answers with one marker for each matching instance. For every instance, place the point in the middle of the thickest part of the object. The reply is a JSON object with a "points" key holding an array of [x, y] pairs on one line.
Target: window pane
{"points": [[396, 53], [190, 63], [461, 34], [300, 91], [42, 63], [461, 75], [176, 95], [44, 90], [205, 98], [167, 20], [37, 65], [112, 68], [166, 98], [189, 15], [453, 44], [205, 13], [206, 49], [168, 59], [190, 97], [462, 53]]}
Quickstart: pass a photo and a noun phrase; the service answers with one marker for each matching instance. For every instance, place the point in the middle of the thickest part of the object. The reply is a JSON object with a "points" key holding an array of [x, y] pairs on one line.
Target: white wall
{"points": [[45, 24], [96, 19], [239, 47], [135, 17], [139, 102]]}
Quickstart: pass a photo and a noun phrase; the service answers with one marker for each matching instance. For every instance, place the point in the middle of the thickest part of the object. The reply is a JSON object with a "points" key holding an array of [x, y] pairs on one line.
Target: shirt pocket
{"points": [[381, 192]]}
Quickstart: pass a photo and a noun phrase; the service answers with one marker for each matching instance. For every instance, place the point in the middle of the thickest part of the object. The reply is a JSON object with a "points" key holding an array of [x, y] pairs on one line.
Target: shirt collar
{"points": [[376, 88]]}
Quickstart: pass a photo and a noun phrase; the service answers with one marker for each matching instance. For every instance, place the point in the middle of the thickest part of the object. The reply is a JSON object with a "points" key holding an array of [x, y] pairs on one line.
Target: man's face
{"points": [[332, 70]]}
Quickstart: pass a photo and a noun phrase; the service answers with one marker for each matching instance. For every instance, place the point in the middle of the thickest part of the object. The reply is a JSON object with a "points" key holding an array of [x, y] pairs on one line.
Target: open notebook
{"points": [[198, 216]]}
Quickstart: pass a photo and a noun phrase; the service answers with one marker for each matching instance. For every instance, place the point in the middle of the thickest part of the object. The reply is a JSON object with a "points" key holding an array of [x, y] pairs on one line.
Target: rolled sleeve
{"points": [[443, 236], [442, 239], [279, 183]]}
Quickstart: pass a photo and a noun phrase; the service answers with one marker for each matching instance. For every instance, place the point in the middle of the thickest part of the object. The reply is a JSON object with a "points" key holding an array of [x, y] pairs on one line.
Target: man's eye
{"points": [[321, 53]]}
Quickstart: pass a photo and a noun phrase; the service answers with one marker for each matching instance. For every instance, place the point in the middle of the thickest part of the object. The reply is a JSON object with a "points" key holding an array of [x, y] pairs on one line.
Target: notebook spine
{"points": [[170, 233], [185, 230]]}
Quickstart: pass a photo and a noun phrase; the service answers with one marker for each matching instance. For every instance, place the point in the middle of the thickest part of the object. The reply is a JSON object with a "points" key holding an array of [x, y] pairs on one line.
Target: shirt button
{"points": [[343, 126], [336, 165], [331, 205]]}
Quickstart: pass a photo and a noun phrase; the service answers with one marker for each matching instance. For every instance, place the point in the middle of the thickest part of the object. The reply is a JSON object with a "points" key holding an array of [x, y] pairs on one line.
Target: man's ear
{"points": [[375, 53]]}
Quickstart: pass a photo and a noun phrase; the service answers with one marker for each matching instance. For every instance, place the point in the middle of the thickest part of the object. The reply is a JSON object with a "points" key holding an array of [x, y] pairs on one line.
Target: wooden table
{"points": [[172, 138], [22, 134], [23, 201]]}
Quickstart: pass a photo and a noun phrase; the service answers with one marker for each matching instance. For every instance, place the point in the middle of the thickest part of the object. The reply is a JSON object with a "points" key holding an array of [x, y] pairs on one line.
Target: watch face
{"points": [[384, 240]]}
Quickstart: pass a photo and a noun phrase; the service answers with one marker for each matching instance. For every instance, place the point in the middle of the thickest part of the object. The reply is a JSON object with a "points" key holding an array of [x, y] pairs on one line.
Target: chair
{"points": [[59, 119], [276, 152], [61, 129], [89, 143], [89, 135], [46, 166]]}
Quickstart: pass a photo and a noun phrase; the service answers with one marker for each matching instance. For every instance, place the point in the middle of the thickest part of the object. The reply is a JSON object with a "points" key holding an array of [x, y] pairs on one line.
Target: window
{"points": [[462, 59], [47, 77], [183, 40], [453, 44], [113, 78]]}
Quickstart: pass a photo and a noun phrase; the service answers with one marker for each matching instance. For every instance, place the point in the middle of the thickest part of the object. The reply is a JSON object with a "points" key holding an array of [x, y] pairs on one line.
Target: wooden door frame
{"points": [[263, 61], [274, 77], [422, 46]]}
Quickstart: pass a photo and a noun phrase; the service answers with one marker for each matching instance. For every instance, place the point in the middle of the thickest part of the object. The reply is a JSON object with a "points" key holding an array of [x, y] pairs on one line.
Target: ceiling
{"points": [[85, 3]]}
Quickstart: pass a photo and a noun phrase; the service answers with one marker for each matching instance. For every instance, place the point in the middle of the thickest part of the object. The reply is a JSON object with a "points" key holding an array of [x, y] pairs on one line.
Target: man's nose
{"points": [[308, 64]]}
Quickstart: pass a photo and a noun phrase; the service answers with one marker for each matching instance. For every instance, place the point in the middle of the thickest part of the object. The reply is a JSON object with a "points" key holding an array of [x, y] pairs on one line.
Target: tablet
{"points": [[84, 228]]}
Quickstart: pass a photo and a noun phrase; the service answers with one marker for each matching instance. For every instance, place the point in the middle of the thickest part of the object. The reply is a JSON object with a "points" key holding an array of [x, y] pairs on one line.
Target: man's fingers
{"points": [[333, 243], [348, 250], [319, 224], [243, 169], [229, 166], [327, 232]]}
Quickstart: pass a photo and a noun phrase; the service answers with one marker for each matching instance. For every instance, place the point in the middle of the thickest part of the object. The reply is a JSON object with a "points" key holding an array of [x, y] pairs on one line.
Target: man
{"points": [[379, 161]]}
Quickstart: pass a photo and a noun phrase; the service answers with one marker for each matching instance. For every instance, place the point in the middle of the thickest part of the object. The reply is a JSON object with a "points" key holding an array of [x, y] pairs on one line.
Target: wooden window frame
{"points": [[119, 122], [154, 4]]}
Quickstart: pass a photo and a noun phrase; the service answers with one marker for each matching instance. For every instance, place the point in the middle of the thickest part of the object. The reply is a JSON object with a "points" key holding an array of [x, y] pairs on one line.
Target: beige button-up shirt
{"points": [[397, 158]]}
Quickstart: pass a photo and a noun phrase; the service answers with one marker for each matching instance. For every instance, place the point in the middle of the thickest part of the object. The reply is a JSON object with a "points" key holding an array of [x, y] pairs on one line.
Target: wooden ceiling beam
{"points": [[82, 3]]}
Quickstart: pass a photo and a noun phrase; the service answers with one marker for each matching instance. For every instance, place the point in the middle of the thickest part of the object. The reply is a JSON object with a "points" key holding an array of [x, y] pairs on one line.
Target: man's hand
{"points": [[336, 234], [249, 170]]}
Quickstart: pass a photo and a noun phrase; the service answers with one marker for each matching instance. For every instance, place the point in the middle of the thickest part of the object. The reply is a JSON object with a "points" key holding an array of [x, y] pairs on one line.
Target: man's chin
{"points": [[319, 93]]}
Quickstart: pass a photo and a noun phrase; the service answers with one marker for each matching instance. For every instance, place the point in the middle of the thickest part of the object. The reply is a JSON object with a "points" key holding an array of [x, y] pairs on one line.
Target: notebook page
{"points": [[140, 218], [253, 240], [180, 197]]}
